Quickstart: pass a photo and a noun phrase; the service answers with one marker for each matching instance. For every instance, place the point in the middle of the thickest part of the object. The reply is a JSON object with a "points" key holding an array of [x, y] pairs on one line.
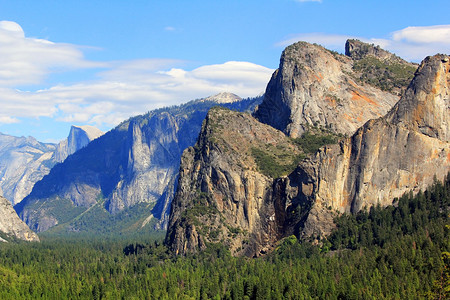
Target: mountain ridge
{"points": [[397, 153], [137, 162]]}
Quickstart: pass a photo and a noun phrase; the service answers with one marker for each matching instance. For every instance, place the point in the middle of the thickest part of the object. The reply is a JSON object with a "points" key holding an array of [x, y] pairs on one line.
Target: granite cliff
{"points": [[225, 193], [406, 150], [317, 87], [11, 226], [79, 137]]}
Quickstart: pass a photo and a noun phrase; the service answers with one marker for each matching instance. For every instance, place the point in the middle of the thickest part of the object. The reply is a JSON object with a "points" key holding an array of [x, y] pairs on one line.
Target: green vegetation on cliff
{"points": [[385, 75], [312, 140], [270, 162], [278, 161]]}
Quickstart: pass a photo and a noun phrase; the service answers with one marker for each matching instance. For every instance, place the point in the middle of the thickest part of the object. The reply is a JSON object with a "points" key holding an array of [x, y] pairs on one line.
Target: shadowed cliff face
{"points": [[403, 151], [317, 87], [11, 226], [134, 163]]}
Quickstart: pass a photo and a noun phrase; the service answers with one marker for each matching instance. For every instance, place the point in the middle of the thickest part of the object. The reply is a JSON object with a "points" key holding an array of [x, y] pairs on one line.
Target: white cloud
{"points": [[415, 43], [411, 43], [25, 61], [132, 88], [424, 35], [243, 78], [8, 120]]}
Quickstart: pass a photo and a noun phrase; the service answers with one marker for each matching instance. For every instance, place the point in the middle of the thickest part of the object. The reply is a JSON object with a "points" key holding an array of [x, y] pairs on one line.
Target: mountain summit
{"points": [[79, 137], [224, 97], [406, 150], [317, 87]]}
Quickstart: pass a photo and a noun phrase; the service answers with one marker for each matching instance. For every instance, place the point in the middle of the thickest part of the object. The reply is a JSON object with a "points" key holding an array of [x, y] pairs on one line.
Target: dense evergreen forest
{"points": [[398, 252]]}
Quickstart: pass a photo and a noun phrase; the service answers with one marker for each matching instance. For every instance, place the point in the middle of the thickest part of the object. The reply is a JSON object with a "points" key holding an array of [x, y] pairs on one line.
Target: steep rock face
{"points": [[154, 147], [11, 226], [137, 162], [79, 137], [223, 195], [403, 151], [316, 87], [76, 184]]}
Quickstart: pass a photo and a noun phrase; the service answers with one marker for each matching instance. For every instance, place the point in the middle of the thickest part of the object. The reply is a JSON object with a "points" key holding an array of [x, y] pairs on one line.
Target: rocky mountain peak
{"points": [[224, 194], [90, 132], [79, 137], [224, 97], [357, 50], [404, 151], [131, 172], [226, 185], [24, 161], [425, 106], [317, 87]]}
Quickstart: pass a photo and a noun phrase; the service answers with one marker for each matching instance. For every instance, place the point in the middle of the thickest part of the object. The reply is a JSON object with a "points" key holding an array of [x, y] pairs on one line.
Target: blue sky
{"points": [[100, 62]]}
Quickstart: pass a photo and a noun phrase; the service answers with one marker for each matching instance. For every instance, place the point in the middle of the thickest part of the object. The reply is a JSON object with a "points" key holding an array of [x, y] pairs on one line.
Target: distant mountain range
{"points": [[24, 161], [124, 180]]}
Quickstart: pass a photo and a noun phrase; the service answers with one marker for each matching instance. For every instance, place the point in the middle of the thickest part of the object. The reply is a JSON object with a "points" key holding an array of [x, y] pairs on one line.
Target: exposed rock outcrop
{"points": [[358, 50], [375, 66], [23, 162], [11, 226], [316, 87], [224, 98]]}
